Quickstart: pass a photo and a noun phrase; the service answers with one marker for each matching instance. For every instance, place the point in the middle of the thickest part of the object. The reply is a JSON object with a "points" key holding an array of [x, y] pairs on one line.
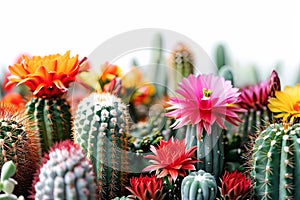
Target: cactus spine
{"points": [[53, 120], [199, 185], [101, 129], [65, 174], [276, 162], [19, 143], [210, 149]]}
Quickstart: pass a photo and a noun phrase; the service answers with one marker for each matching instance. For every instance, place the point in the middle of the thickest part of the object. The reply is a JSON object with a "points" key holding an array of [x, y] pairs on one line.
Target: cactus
{"points": [[19, 143], [7, 184], [53, 119], [276, 162], [210, 149], [181, 62], [48, 78], [221, 56], [199, 185], [65, 174], [122, 198], [101, 129]]}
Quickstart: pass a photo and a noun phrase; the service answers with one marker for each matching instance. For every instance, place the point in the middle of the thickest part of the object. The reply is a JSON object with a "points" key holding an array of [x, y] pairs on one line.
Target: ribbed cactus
{"points": [[181, 63], [65, 174], [210, 149], [101, 129], [199, 185], [276, 162], [53, 119], [48, 78], [20, 144]]}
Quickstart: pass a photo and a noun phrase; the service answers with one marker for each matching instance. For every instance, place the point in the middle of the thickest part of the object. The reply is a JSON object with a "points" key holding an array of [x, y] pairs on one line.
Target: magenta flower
{"points": [[206, 99]]}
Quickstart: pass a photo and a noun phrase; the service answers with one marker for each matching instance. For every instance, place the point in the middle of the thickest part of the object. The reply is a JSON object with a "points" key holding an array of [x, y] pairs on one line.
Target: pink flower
{"points": [[171, 158], [256, 96], [206, 99]]}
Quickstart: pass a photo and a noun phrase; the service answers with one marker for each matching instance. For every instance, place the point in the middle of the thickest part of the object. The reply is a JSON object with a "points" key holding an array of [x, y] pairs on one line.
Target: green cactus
{"points": [[221, 56], [53, 119], [101, 129], [122, 198], [199, 185], [210, 149], [19, 143], [276, 162], [65, 174], [181, 62], [227, 73], [7, 184]]}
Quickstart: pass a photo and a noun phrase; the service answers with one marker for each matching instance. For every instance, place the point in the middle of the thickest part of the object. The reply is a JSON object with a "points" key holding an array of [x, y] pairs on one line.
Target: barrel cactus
{"points": [[48, 78], [199, 185], [101, 129], [19, 143], [65, 174], [276, 150]]}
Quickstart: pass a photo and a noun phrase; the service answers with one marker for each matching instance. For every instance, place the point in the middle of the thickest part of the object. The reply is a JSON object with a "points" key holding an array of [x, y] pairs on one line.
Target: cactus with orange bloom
{"points": [[19, 143], [48, 78]]}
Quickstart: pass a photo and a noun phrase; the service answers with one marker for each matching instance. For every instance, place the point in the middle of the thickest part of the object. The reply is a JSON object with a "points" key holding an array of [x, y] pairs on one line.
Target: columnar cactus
{"points": [[276, 162], [19, 143], [65, 174], [48, 78], [210, 149], [199, 185], [101, 129], [181, 62]]}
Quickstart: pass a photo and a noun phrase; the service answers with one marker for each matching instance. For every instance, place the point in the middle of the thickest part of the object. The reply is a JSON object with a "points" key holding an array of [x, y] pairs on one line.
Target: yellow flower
{"points": [[48, 76], [286, 104]]}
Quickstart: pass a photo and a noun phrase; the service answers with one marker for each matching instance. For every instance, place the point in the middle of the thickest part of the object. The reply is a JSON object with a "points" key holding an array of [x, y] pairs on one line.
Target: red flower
{"points": [[171, 158], [235, 185], [146, 187], [256, 96]]}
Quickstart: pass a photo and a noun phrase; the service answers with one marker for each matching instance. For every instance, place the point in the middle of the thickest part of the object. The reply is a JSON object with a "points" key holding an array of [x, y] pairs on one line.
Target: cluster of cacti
{"points": [[210, 149], [101, 129], [7, 184], [276, 162], [53, 120], [19, 143], [65, 174], [199, 185]]}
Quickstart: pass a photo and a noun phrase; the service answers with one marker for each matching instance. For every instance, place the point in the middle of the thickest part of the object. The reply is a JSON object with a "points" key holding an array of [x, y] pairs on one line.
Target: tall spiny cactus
{"points": [[19, 143], [101, 129], [199, 185], [48, 78], [210, 149], [276, 162], [65, 174]]}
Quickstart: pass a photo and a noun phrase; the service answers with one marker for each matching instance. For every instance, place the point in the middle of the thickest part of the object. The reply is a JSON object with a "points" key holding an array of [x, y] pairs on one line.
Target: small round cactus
{"points": [[199, 185], [65, 174]]}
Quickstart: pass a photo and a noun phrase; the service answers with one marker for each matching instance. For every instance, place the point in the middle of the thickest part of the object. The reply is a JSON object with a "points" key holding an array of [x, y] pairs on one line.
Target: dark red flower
{"points": [[235, 185], [145, 187]]}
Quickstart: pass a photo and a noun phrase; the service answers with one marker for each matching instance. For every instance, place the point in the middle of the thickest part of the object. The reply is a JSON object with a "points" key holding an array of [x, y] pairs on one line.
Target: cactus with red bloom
{"points": [[145, 187], [235, 186]]}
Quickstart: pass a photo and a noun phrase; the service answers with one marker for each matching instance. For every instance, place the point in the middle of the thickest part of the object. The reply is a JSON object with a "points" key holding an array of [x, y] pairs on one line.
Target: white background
{"points": [[257, 32]]}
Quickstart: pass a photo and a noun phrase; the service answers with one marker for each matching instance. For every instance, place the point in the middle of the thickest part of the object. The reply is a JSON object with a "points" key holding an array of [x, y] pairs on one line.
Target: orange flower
{"points": [[109, 73], [143, 94], [48, 76], [14, 99]]}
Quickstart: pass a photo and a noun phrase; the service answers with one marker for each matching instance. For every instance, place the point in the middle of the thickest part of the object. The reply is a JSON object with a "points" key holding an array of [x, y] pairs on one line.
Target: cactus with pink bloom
{"points": [[207, 102]]}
